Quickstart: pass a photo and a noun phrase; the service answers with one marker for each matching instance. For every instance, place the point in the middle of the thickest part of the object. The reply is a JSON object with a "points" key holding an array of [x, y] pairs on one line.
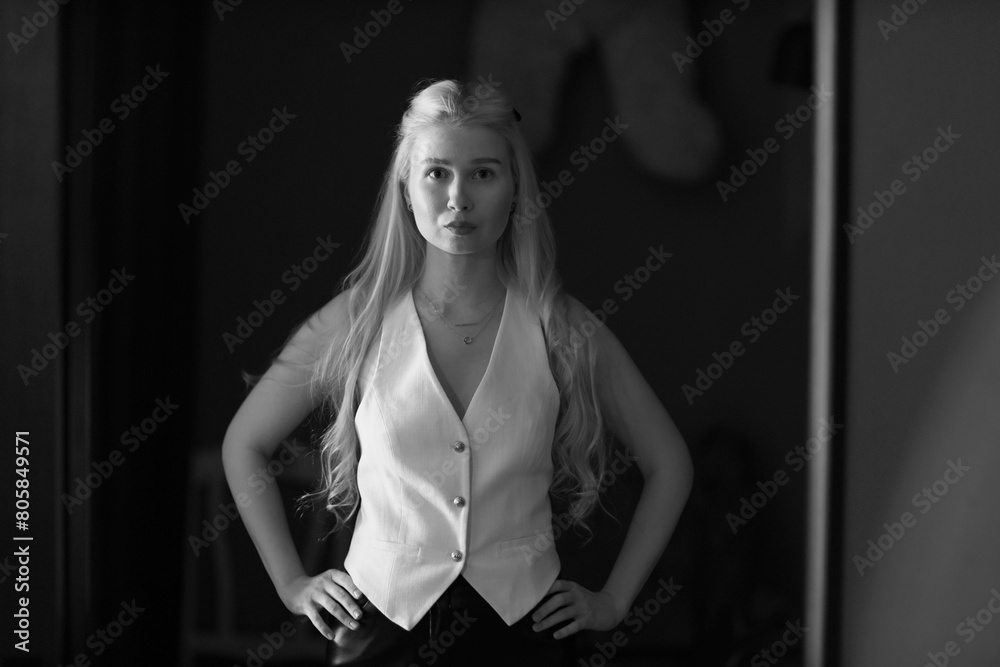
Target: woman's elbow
{"points": [[236, 448], [674, 470], [231, 452], [685, 472]]}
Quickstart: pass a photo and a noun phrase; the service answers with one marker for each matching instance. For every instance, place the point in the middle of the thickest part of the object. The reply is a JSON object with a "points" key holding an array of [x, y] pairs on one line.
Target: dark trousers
{"points": [[460, 629]]}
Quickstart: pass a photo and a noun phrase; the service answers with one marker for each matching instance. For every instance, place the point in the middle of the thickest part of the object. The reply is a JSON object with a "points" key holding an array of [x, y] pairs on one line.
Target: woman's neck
{"points": [[460, 284]]}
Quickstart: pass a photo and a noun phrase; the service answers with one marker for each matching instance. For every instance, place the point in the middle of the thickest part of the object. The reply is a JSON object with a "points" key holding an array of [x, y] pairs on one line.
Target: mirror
{"points": [[712, 176], [248, 143]]}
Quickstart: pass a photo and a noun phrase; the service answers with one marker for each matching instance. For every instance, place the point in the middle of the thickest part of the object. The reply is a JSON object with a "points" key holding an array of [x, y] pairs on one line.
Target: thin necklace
{"points": [[465, 339]]}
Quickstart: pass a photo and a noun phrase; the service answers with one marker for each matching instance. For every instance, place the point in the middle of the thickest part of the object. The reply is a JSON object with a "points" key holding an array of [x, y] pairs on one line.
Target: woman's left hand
{"points": [[587, 609]]}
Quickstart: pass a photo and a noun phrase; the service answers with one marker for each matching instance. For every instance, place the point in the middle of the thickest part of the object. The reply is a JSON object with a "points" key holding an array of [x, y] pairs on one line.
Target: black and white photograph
{"points": [[529, 333]]}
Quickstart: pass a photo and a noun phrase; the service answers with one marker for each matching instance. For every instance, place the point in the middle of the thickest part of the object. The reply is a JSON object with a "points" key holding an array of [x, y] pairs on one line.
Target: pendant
{"points": [[467, 339]]}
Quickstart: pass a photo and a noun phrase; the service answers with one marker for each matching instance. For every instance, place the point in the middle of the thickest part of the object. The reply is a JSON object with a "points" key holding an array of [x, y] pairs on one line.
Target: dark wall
{"points": [[134, 68], [96, 273], [910, 416]]}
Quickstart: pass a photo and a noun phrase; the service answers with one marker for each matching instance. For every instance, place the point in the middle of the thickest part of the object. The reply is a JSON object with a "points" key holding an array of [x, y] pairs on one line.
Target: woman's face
{"points": [[460, 175]]}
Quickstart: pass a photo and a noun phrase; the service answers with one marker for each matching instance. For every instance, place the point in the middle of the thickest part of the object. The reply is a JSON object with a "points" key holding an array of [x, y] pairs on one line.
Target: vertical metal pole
{"points": [[818, 613]]}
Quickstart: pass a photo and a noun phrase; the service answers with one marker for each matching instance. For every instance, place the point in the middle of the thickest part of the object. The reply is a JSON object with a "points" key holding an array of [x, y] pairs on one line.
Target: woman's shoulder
{"points": [[336, 313], [330, 322], [585, 328], [571, 310]]}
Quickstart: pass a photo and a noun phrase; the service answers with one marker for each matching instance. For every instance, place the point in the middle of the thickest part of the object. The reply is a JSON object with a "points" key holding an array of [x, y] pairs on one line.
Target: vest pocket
{"points": [[529, 547], [410, 550]]}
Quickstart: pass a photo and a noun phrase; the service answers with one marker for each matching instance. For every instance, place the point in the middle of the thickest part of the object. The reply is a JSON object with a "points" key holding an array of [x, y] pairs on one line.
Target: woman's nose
{"points": [[457, 198]]}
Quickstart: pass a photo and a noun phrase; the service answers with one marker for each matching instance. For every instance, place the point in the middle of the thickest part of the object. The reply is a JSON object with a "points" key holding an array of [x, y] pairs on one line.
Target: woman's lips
{"points": [[460, 227]]}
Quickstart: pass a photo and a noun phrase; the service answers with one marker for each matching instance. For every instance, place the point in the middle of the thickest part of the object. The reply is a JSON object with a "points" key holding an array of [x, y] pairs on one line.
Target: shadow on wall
{"points": [[929, 571]]}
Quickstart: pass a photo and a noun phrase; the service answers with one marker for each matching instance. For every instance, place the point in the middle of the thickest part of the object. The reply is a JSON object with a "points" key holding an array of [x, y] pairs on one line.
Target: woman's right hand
{"points": [[332, 590]]}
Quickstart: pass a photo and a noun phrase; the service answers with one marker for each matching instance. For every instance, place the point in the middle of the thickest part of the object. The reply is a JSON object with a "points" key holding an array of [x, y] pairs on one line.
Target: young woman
{"points": [[462, 386]]}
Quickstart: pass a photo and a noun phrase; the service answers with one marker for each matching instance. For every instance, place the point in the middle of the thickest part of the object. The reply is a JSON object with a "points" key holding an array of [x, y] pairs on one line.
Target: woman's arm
{"points": [[637, 419], [641, 423], [274, 408]]}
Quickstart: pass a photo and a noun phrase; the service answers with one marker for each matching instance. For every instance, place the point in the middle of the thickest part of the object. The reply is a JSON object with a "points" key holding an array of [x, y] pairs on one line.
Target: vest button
{"points": [[458, 501], [458, 446], [456, 555]]}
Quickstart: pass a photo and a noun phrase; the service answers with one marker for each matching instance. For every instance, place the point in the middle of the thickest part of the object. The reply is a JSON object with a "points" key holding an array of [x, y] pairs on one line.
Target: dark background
{"points": [[163, 336]]}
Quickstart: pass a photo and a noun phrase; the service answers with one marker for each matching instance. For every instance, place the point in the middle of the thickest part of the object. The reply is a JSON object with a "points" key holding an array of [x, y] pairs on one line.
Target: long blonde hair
{"points": [[391, 263]]}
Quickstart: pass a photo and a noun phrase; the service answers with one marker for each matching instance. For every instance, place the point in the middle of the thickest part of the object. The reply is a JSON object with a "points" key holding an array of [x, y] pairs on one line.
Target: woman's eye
{"points": [[435, 173], [484, 173]]}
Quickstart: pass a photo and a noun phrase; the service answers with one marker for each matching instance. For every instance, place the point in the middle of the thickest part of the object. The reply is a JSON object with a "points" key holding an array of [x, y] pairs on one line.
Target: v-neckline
{"points": [[489, 365]]}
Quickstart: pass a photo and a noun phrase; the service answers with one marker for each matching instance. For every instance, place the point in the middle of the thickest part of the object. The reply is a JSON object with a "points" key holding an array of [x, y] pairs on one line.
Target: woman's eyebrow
{"points": [[447, 163]]}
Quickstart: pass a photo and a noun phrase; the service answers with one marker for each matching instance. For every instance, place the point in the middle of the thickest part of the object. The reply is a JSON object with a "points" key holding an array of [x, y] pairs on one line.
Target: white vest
{"points": [[443, 496]]}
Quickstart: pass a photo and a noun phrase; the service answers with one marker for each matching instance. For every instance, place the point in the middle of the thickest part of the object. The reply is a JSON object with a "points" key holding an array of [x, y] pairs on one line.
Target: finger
{"points": [[570, 629], [343, 598], [344, 580], [317, 621], [559, 585], [555, 602], [336, 610], [564, 614]]}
